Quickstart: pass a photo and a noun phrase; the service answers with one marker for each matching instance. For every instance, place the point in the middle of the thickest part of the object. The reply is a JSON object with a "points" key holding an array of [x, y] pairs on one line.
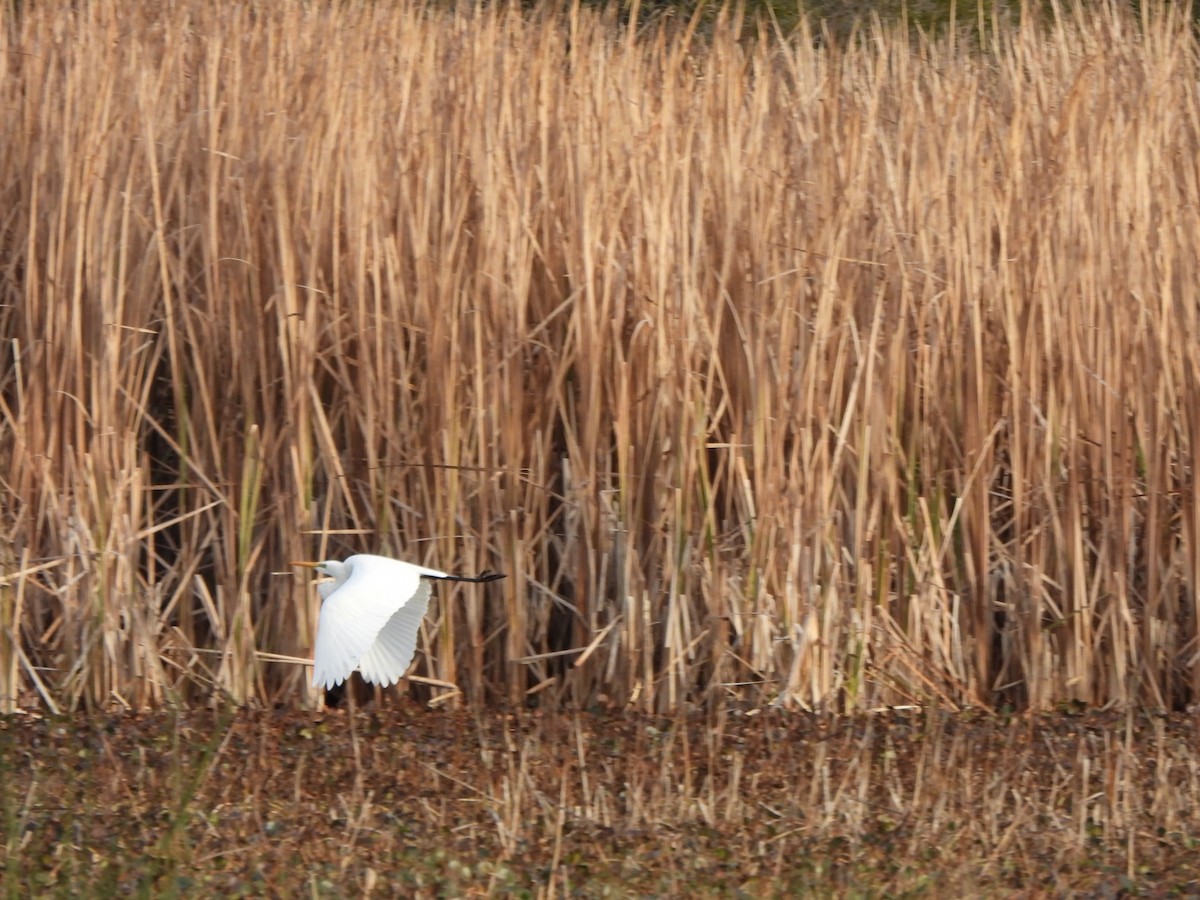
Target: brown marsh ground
{"points": [[405, 801]]}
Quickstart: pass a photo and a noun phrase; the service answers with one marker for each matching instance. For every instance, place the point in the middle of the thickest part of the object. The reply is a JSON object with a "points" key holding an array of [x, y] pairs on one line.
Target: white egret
{"points": [[370, 616]]}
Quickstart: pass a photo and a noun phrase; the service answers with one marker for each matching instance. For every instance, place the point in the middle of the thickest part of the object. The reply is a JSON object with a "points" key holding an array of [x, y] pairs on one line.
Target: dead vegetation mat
{"points": [[403, 801]]}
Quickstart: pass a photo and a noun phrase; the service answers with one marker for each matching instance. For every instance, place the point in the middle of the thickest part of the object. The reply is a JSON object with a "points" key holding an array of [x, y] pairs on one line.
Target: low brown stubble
{"points": [[495, 802], [837, 377]]}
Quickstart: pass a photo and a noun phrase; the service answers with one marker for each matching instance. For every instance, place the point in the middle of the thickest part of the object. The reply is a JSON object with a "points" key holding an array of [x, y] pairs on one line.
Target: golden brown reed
{"points": [[768, 372]]}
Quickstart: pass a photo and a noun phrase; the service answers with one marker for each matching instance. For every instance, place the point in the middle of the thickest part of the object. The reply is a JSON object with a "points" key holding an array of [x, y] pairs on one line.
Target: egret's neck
{"points": [[342, 574]]}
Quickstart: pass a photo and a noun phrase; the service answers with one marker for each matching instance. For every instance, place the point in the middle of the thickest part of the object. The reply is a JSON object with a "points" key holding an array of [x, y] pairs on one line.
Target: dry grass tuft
{"points": [[832, 377]]}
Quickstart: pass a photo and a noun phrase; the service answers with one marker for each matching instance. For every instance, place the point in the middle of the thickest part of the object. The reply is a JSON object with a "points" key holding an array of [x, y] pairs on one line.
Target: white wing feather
{"points": [[389, 657], [372, 601]]}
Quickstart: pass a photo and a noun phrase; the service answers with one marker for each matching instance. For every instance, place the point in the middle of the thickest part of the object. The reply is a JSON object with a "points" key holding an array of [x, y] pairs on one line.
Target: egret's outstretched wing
{"points": [[353, 615], [389, 657]]}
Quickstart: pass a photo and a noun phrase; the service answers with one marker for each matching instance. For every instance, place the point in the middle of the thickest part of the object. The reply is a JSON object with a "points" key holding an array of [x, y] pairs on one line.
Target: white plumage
{"points": [[370, 615]]}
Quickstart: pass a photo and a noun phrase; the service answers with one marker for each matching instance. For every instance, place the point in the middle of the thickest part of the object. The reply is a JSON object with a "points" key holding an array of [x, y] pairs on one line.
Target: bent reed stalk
{"points": [[768, 371]]}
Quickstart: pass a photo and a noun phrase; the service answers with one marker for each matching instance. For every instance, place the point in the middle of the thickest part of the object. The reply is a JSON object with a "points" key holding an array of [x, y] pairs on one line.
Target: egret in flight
{"points": [[370, 616]]}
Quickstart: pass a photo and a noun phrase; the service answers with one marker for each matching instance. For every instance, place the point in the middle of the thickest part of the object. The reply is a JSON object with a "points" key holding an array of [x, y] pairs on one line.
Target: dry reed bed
{"points": [[833, 377]]}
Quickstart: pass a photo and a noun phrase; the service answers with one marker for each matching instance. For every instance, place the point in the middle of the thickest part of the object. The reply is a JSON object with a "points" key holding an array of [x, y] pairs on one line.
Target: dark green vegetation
{"points": [[407, 802]]}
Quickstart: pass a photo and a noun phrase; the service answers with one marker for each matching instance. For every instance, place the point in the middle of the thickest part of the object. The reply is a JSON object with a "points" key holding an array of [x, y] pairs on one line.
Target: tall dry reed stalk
{"points": [[768, 372]]}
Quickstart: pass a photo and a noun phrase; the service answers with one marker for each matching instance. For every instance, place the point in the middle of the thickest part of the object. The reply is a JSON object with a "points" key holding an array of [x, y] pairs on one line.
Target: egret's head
{"points": [[330, 567]]}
